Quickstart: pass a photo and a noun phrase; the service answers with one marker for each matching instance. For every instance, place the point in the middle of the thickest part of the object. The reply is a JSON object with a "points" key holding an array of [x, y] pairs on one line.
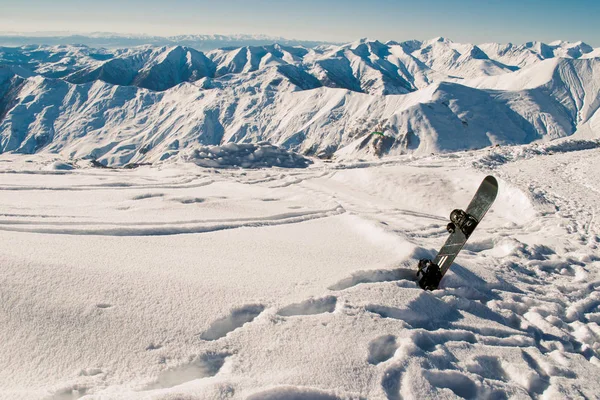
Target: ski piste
{"points": [[461, 226]]}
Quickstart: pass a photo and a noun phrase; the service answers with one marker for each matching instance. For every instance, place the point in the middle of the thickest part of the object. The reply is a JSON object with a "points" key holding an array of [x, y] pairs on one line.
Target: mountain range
{"points": [[152, 103], [119, 40]]}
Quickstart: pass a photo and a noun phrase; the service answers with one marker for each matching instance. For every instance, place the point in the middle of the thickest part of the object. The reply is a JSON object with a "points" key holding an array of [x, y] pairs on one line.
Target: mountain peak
{"points": [[346, 91], [440, 39], [358, 42]]}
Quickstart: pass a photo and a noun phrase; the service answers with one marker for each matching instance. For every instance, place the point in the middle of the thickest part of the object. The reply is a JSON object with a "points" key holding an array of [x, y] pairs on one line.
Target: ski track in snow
{"points": [[171, 228], [516, 316]]}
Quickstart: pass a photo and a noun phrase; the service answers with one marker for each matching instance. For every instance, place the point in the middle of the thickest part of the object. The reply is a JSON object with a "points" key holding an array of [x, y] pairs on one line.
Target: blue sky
{"points": [[474, 21]]}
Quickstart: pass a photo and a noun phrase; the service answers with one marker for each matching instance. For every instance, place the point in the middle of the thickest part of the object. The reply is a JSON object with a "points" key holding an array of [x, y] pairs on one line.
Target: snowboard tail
{"points": [[462, 225]]}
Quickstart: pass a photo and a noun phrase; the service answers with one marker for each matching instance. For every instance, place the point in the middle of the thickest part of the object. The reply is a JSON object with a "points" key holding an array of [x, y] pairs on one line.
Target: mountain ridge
{"points": [[321, 102], [203, 42]]}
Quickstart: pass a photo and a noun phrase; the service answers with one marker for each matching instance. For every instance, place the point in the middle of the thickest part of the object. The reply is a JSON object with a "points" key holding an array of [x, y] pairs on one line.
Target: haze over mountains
{"points": [[148, 103], [118, 40]]}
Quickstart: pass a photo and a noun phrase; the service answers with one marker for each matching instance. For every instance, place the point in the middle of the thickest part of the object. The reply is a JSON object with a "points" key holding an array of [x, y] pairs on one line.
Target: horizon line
{"points": [[125, 35]]}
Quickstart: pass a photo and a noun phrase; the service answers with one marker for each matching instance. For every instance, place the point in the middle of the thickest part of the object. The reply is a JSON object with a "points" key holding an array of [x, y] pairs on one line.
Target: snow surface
{"points": [[177, 224], [182, 282]]}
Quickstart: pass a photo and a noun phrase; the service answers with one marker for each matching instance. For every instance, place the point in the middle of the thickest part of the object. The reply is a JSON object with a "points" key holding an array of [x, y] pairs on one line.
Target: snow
{"points": [[247, 156], [153, 104], [181, 281], [224, 224]]}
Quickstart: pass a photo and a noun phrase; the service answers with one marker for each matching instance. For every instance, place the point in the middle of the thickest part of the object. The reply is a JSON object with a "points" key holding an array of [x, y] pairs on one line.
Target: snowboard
{"points": [[461, 226]]}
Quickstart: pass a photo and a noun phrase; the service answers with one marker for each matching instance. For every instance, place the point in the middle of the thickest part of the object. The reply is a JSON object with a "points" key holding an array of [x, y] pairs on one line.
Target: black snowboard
{"points": [[462, 225]]}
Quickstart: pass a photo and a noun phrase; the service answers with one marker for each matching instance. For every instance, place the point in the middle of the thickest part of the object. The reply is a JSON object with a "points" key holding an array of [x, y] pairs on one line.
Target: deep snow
{"points": [[178, 281]]}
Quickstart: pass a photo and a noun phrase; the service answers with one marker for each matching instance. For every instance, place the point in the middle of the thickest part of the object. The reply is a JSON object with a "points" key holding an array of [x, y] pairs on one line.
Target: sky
{"points": [[473, 21]]}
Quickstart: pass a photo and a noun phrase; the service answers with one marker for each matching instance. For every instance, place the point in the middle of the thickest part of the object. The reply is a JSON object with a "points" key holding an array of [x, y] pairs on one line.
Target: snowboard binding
{"points": [[465, 222], [429, 275]]}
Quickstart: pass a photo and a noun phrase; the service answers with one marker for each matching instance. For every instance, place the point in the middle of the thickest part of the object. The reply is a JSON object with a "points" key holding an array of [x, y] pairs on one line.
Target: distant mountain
{"points": [[115, 40], [363, 66], [533, 52], [150, 104]]}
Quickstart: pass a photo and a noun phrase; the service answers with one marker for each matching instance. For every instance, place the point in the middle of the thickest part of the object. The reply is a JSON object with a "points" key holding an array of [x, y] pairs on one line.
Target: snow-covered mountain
{"points": [[532, 52], [119, 40], [147, 103]]}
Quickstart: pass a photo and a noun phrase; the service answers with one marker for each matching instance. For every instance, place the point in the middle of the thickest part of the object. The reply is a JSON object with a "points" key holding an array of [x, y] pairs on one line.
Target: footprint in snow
{"points": [[460, 384], [382, 349], [206, 365], [429, 340], [238, 317], [425, 311], [310, 307], [540, 381], [189, 200], [489, 367]]}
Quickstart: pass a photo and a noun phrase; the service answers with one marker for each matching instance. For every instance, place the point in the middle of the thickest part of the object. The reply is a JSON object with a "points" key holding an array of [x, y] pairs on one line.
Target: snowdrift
{"points": [[259, 155]]}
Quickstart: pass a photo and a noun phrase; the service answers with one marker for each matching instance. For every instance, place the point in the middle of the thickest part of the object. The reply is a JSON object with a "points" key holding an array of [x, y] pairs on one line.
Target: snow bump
{"points": [[262, 155]]}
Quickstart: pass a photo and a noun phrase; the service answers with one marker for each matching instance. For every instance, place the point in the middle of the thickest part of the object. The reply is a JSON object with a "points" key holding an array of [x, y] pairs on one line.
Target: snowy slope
{"points": [[156, 69], [563, 90], [125, 124], [533, 52], [460, 60], [181, 282], [148, 104], [121, 124]]}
